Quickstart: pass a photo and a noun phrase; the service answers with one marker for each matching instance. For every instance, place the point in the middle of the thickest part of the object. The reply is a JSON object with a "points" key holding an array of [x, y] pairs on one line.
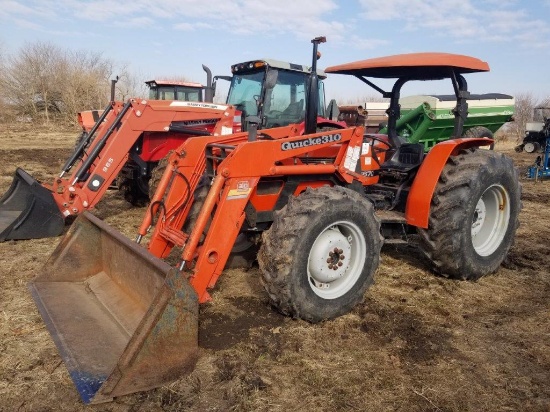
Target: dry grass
{"points": [[417, 342]]}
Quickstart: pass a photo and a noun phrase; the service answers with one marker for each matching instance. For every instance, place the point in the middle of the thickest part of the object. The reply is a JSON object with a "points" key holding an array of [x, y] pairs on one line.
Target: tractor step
{"points": [[393, 227], [391, 216]]}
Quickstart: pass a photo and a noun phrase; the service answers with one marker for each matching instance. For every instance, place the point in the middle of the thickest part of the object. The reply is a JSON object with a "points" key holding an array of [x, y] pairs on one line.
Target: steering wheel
{"points": [[374, 138]]}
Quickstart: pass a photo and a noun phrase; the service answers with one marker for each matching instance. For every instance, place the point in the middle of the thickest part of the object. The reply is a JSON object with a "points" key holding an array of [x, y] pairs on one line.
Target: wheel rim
{"points": [[490, 220], [529, 147], [336, 259]]}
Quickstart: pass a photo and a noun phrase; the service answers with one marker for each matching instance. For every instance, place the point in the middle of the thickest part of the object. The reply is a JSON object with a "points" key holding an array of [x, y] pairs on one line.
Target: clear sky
{"points": [[162, 38]]}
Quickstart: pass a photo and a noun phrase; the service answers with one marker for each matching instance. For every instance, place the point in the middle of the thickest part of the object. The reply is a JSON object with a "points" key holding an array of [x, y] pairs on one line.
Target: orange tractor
{"points": [[320, 205]]}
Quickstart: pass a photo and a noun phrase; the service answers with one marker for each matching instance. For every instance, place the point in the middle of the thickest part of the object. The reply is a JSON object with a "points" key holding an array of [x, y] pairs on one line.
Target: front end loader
{"points": [[321, 205]]}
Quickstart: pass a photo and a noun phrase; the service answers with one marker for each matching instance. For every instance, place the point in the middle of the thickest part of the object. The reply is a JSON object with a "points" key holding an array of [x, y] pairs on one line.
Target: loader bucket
{"points": [[123, 320], [28, 210]]}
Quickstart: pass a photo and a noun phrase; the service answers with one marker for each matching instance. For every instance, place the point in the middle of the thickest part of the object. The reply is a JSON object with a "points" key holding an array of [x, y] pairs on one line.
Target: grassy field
{"points": [[417, 342]]}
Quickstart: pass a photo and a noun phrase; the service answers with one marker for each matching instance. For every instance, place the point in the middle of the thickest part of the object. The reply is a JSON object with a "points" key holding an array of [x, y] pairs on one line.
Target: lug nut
{"points": [[334, 267], [340, 263], [329, 260], [335, 250], [342, 257]]}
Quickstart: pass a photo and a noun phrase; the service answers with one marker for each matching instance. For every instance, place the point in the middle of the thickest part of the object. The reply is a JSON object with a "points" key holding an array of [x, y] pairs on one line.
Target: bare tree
{"points": [[5, 113], [32, 79], [86, 85], [129, 85], [48, 83]]}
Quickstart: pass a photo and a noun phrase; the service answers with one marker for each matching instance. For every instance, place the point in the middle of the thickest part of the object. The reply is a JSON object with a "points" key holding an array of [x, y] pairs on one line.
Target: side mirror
{"points": [[332, 110]]}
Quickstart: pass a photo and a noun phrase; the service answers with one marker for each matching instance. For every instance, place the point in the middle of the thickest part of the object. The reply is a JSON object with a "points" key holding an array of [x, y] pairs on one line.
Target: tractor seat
{"points": [[406, 157], [294, 109]]}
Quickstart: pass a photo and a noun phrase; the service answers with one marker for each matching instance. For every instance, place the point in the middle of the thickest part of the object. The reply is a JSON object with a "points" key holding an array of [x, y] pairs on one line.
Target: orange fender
{"points": [[417, 211]]}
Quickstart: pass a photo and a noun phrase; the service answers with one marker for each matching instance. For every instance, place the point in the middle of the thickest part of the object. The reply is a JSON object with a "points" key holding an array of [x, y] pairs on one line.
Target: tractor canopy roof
{"points": [[153, 83], [417, 66]]}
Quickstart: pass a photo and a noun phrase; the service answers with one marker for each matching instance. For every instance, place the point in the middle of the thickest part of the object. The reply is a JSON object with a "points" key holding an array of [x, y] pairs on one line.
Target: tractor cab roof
{"points": [[274, 64], [154, 83], [414, 66]]}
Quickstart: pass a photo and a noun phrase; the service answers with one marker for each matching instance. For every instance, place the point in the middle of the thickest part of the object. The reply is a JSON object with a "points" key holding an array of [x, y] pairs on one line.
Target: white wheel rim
{"points": [[490, 220], [529, 147], [336, 259]]}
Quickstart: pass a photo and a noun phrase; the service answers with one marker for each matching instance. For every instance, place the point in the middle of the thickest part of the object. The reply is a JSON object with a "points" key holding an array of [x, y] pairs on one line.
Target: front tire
{"points": [[474, 215], [320, 254]]}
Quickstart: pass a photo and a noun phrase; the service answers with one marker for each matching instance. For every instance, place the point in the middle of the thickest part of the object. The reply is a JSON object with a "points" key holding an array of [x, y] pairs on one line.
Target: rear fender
{"points": [[417, 211]]}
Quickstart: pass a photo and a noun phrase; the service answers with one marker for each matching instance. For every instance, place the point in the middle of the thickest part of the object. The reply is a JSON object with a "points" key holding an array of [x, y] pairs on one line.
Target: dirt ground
{"points": [[417, 342]]}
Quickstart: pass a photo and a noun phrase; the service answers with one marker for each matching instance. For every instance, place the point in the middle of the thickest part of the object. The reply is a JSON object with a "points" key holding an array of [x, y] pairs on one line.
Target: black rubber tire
{"points": [[286, 246], [136, 191], [519, 148], [447, 242], [157, 172], [480, 131]]}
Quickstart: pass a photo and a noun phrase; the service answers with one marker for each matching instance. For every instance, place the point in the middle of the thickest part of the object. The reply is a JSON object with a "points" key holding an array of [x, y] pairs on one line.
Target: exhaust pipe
{"points": [[209, 88], [122, 319], [28, 210]]}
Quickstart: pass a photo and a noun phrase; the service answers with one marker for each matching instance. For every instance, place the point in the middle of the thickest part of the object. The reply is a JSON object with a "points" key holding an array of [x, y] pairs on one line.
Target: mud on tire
{"points": [[474, 215], [309, 236]]}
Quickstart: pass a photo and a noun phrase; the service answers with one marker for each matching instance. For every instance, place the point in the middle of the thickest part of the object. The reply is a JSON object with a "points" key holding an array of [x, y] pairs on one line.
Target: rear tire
{"points": [[136, 191], [301, 253], [474, 215], [480, 131]]}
